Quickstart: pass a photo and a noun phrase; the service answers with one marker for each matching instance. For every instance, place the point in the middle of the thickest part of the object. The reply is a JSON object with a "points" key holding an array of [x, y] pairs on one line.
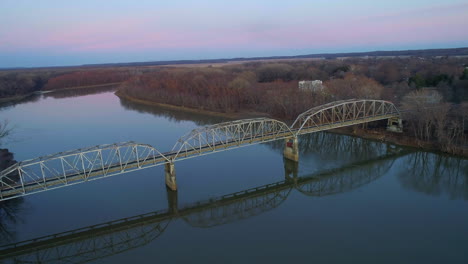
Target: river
{"points": [[347, 200]]}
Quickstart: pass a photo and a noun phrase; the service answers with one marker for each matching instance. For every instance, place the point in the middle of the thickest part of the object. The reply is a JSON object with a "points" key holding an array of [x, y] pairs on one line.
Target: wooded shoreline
{"points": [[432, 90], [371, 134]]}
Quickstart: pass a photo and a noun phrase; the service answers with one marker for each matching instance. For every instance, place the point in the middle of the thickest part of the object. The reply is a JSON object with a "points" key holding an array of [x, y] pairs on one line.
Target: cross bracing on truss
{"points": [[67, 168], [229, 135], [341, 112]]}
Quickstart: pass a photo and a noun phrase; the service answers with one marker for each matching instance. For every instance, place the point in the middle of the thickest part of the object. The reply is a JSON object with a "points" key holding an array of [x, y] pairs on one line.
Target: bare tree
{"points": [[5, 129], [433, 120], [354, 86], [425, 112]]}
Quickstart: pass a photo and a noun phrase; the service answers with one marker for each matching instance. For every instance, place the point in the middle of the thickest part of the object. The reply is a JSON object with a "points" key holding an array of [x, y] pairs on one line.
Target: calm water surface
{"points": [[347, 200]]}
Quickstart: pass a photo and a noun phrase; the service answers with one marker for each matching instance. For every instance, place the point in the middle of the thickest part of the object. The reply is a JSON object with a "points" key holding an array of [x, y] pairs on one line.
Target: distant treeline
{"points": [[87, 78], [417, 53], [17, 82]]}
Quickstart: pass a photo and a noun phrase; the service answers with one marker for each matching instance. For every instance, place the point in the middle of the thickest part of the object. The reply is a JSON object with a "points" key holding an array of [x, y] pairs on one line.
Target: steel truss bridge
{"points": [[110, 238], [87, 164]]}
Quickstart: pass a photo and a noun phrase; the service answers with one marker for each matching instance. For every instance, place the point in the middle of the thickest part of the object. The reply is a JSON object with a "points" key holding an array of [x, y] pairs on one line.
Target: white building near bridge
{"points": [[313, 86]]}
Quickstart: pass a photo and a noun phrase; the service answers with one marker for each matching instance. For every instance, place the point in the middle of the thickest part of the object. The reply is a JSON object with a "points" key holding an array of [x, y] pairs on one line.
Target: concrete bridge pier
{"points": [[291, 149], [395, 124], [169, 170]]}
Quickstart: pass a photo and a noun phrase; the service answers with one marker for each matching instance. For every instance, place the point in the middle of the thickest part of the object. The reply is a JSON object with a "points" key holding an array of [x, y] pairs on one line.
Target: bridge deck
{"points": [[64, 169], [20, 189]]}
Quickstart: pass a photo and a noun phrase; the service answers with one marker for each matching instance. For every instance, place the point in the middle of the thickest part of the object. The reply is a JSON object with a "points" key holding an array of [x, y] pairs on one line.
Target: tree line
{"points": [[23, 82], [435, 90]]}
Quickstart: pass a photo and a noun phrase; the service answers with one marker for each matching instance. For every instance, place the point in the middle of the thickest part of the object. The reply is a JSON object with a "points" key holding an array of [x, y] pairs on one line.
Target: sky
{"points": [[59, 33]]}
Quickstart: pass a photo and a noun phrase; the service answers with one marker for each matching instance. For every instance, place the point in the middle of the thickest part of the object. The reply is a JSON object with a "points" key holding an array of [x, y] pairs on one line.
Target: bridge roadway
{"points": [[162, 158], [37, 175], [67, 246]]}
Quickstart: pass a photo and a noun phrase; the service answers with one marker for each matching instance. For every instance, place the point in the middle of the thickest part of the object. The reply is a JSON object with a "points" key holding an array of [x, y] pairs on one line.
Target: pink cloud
{"points": [[150, 33]]}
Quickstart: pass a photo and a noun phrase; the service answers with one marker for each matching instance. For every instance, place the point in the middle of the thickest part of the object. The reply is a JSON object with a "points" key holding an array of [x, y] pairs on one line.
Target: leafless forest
{"points": [[433, 90]]}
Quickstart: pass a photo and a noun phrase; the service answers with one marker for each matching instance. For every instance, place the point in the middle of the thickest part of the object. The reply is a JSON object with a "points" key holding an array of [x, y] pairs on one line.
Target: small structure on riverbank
{"points": [[313, 86]]}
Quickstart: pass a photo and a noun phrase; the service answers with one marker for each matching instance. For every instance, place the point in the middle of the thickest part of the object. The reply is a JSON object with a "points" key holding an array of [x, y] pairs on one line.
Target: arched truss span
{"points": [[229, 135], [343, 113], [80, 165]]}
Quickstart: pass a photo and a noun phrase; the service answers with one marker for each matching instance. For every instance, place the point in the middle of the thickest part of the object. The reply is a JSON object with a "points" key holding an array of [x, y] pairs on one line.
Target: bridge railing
{"points": [[71, 167], [82, 165]]}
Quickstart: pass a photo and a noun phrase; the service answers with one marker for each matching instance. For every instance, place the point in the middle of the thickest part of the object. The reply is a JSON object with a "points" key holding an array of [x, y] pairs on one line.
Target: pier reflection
{"points": [[101, 240]]}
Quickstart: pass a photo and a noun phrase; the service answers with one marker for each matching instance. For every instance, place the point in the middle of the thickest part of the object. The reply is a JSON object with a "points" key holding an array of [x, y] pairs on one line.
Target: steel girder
{"points": [[229, 135], [71, 167], [343, 113]]}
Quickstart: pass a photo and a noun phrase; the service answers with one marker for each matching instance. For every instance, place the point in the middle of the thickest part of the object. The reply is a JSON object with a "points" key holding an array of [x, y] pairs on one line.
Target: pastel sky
{"points": [[60, 32]]}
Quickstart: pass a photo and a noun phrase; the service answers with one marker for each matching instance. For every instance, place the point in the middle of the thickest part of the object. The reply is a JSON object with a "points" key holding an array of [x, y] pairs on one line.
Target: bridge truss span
{"points": [[80, 165], [229, 135], [343, 113]]}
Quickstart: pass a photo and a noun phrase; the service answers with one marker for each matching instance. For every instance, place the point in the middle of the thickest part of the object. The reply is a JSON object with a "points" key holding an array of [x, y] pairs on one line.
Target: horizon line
{"points": [[219, 60]]}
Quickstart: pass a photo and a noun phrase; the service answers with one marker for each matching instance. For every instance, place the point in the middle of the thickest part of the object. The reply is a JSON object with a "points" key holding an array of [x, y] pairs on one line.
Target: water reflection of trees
{"points": [[64, 93], [28, 99], [436, 174], [8, 209], [173, 115], [8, 219], [59, 94]]}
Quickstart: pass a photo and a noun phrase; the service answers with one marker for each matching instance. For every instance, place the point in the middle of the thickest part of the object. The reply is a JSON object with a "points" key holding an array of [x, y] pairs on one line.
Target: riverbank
{"points": [[17, 98], [85, 87], [371, 134], [233, 116]]}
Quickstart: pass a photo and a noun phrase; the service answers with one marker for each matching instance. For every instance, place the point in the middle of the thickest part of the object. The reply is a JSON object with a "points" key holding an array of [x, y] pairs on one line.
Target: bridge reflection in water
{"points": [[110, 238]]}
